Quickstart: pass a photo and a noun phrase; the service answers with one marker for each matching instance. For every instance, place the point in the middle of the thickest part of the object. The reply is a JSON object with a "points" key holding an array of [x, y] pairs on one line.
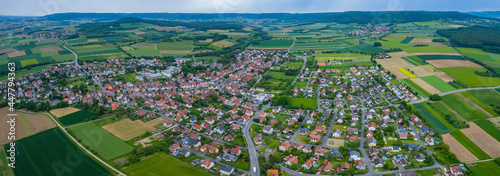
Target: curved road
{"points": [[254, 156]]}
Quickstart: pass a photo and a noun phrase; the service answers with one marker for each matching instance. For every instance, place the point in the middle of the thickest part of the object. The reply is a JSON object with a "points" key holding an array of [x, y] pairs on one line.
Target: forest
{"points": [[486, 38]]}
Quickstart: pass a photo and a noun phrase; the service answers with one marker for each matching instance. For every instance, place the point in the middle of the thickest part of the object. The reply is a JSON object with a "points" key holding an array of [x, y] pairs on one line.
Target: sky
{"points": [[46, 7]]}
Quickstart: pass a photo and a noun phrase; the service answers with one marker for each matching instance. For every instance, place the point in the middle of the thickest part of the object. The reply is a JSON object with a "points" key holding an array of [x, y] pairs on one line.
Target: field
{"points": [[26, 124], [280, 75], [222, 44], [483, 140], [414, 60], [24, 72], [76, 117], [463, 108], [424, 70], [127, 129], [486, 168], [63, 111], [428, 49], [415, 87], [336, 142], [440, 57], [105, 144], [483, 98], [27, 62], [5, 170], [393, 63], [407, 40], [52, 153], [438, 83], [489, 128], [431, 119], [467, 76], [309, 103], [161, 163], [426, 86], [341, 56], [318, 46], [458, 149], [362, 48], [277, 44], [295, 64], [454, 63]]}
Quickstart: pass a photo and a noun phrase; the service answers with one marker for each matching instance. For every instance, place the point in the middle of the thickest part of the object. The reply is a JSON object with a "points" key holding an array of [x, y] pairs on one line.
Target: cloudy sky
{"points": [[44, 7]]}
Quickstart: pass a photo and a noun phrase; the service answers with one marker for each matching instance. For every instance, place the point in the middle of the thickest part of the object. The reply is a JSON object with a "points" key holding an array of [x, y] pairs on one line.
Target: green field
{"points": [[179, 45], [91, 51], [440, 57], [300, 84], [484, 99], [361, 48], [280, 75], [486, 168], [295, 64], [407, 40], [318, 46], [462, 107], [489, 128], [309, 103], [24, 72], [274, 44], [342, 56], [415, 88], [160, 164], [140, 53], [76, 117], [431, 119], [52, 153], [414, 60], [102, 142], [438, 83], [27, 62], [468, 76], [472, 51], [429, 49]]}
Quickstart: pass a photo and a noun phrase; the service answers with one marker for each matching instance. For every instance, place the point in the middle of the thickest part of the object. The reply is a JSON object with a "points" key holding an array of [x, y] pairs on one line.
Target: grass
{"points": [[309, 103], [102, 142], [438, 83], [52, 153], [362, 48], [462, 107], [4, 168], [274, 44], [140, 53], [472, 51], [24, 72], [485, 95], [431, 119], [76, 117], [160, 164], [391, 44], [486, 168], [468, 76], [491, 129], [300, 84], [295, 64], [127, 77], [415, 88], [429, 49], [440, 57], [280, 75], [406, 72]]}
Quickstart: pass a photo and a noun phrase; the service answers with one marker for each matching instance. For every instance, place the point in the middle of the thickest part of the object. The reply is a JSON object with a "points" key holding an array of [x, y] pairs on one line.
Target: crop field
{"points": [[428, 49], [139, 53], [483, 140], [48, 152], [341, 56], [63, 111], [76, 117], [295, 64], [280, 75], [483, 98], [438, 83], [458, 149], [426, 86], [162, 163], [406, 72], [27, 124], [431, 119], [485, 168], [127, 129], [489, 128], [472, 51], [414, 60], [309, 103], [463, 108], [318, 46], [440, 57], [285, 44], [27, 62], [362, 48], [102, 142], [467, 76], [179, 45], [391, 44], [407, 40], [415, 87], [89, 51]]}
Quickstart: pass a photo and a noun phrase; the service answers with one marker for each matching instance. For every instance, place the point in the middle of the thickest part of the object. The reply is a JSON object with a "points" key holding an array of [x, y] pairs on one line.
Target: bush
{"points": [[435, 97]]}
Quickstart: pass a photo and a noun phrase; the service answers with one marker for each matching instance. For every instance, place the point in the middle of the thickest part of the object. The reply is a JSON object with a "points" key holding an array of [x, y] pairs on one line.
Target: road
{"points": [[301, 70], [294, 39], [215, 161], [254, 156], [80, 145]]}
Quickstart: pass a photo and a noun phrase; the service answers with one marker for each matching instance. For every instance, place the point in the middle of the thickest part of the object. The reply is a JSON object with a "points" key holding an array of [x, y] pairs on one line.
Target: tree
{"points": [[377, 44], [435, 97]]}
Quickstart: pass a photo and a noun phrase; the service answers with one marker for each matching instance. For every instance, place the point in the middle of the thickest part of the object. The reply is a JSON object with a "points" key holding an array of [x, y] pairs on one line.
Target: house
{"points": [[193, 142], [320, 151], [236, 150], [326, 166], [344, 166], [395, 148], [378, 162], [257, 139], [184, 152], [354, 155], [420, 157], [285, 146], [228, 157], [274, 172], [309, 163], [289, 160], [226, 170], [314, 137], [372, 126], [429, 140], [372, 142], [452, 170], [360, 165], [207, 164], [195, 136], [267, 129], [336, 133]]}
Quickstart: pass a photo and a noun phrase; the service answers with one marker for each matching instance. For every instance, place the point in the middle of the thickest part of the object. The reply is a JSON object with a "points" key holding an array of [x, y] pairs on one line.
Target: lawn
{"points": [[431, 119], [52, 153], [462, 107], [308, 103], [76, 117], [102, 142], [160, 164], [415, 87], [300, 84], [428, 49], [487, 93], [270, 143], [486, 168], [468, 76], [438, 83], [406, 72]]}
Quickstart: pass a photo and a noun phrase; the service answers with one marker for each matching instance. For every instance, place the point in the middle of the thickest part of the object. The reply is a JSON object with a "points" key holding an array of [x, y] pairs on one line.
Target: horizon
{"points": [[27, 8]]}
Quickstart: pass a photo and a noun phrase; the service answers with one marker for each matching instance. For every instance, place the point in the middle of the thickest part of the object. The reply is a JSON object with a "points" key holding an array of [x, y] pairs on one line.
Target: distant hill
{"points": [[341, 17], [487, 14]]}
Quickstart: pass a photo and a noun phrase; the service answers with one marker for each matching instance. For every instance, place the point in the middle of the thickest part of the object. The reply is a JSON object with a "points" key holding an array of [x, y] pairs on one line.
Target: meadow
{"points": [[414, 60], [491, 129], [462, 107], [440, 57], [485, 168], [102, 142], [438, 83], [468, 76], [162, 163], [274, 44], [308, 103], [428, 49], [280, 75], [484, 99], [76, 117], [45, 151]]}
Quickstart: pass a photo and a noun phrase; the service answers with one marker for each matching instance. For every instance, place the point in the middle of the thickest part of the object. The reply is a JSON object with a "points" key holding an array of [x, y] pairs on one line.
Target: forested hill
{"points": [[486, 38], [341, 17], [487, 14]]}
